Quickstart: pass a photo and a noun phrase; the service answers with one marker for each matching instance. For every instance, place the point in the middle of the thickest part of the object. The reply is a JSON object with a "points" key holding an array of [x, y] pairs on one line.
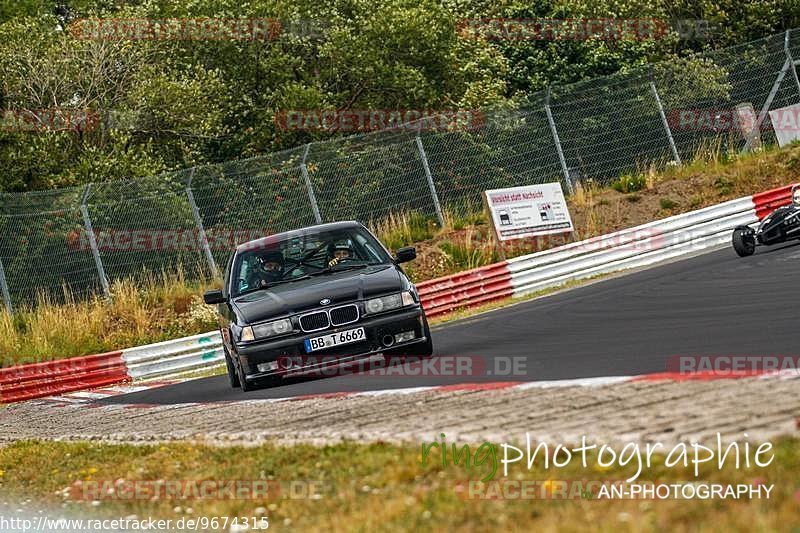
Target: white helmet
{"points": [[796, 195]]}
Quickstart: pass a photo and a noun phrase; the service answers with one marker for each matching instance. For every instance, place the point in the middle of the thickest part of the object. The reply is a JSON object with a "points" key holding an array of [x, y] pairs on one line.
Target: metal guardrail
{"points": [[643, 245], [170, 357], [647, 244]]}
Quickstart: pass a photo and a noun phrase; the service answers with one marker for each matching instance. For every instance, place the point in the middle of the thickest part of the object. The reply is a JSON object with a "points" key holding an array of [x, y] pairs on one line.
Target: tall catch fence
{"points": [[85, 237]]}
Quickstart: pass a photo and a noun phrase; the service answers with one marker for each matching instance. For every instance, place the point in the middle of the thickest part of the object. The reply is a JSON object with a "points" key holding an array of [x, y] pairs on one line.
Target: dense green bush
{"points": [[172, 104]]}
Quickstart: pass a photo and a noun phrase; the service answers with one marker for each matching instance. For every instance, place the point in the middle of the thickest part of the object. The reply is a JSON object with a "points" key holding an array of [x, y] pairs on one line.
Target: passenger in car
{"points": [[340, 251]]}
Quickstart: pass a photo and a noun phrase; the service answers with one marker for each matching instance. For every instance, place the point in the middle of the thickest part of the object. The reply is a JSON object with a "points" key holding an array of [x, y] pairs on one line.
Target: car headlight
{"points": [[271, 329], [247, 334], [387, 303]]}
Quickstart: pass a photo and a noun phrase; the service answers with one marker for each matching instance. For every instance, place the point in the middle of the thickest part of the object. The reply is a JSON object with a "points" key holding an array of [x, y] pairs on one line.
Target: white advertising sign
{"points": [[786, 123], [529, 210]]}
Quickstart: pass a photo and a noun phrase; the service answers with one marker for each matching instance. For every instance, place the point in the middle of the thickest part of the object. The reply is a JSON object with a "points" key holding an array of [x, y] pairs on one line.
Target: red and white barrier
{"points": [[472, 287], [681, 235], [24, 382], [766, 202]]}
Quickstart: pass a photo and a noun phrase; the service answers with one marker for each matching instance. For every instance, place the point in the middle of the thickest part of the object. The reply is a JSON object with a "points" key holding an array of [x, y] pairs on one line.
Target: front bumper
{"points": [[292, 347]]}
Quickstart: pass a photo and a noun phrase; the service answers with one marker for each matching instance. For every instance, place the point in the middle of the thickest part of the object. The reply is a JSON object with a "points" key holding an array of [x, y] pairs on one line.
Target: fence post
{"points": [[311, 197], [554, 131], [767, 103], [4, 288], [664, 120], [200, 229], [93, 242], [791, 59], [424, 158]]}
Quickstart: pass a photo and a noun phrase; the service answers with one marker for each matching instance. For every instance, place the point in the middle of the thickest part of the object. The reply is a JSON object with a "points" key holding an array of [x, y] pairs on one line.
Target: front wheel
{"points": [[233, 377], [246, 386], [744, 242]]}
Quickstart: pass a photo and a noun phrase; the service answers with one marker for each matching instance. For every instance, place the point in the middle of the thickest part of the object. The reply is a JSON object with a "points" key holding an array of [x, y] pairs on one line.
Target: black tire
{"points": [[246, 386], [233, 377], [744, 242], [426, 348]]}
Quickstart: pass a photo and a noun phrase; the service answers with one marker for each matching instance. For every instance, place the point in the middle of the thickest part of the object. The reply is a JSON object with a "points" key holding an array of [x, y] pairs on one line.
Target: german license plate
{"points": [[348, 336]]}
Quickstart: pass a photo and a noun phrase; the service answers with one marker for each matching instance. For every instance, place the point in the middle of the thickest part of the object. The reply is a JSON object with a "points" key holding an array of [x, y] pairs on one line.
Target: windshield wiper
{"points": [[272, 284], [248, 291], [291, 280], [330, 270]]}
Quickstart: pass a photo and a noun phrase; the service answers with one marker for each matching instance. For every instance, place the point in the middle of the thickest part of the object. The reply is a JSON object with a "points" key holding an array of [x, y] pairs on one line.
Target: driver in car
{"points": [[340, 251], [796, 195], [268, 270]]}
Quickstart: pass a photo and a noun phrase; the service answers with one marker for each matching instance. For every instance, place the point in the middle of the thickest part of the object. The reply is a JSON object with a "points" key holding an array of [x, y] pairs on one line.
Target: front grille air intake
{"points": [[314, 321], [343, 315]]}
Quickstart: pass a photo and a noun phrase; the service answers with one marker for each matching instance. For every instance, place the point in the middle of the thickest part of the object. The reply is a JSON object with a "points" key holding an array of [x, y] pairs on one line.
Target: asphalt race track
{"points": [[712, 304]]}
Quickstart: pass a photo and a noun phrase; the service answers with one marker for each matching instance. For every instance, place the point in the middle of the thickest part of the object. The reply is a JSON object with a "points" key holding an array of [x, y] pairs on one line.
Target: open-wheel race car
{"points": [[781, 225]]}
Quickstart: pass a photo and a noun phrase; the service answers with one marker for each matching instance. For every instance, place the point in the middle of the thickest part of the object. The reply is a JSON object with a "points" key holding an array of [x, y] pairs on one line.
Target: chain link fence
{"points": [[79, 239]]}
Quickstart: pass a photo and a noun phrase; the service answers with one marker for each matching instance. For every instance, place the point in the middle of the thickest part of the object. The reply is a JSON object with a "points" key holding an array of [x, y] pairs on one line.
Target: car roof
{"points": [[278, 237]]}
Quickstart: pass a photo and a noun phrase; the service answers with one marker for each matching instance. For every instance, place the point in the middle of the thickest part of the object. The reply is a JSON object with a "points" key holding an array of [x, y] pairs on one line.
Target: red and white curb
{"points": [[89, 398]]}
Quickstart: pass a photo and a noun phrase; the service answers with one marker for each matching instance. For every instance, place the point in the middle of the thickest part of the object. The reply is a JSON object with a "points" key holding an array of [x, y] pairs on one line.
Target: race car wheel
{"points": [[744, 242], [233, 377]]}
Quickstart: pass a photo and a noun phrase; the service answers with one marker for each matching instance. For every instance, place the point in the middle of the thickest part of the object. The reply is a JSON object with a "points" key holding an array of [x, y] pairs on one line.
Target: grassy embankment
{"points": [[383, 487], [168, 306]]}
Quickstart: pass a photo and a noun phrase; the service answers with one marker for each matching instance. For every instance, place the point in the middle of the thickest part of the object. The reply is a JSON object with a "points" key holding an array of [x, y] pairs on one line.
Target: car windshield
{"points": [[308, 254]]}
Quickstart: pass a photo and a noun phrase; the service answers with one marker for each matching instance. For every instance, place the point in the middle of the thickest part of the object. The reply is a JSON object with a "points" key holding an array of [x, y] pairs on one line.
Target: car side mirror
{"points": [[405, 254], [213, 297]]}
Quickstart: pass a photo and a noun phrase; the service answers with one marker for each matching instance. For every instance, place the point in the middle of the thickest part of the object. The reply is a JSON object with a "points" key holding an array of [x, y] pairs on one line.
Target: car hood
{"points": [[294, 297]]}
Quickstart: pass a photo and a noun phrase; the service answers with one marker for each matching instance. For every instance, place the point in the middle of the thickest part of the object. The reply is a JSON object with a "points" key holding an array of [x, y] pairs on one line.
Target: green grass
{"points": [[405, 229], [385, 487], [152, 309], [629, 183], [724, 186], [471, 215], [469, 252], [667, 204]]}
